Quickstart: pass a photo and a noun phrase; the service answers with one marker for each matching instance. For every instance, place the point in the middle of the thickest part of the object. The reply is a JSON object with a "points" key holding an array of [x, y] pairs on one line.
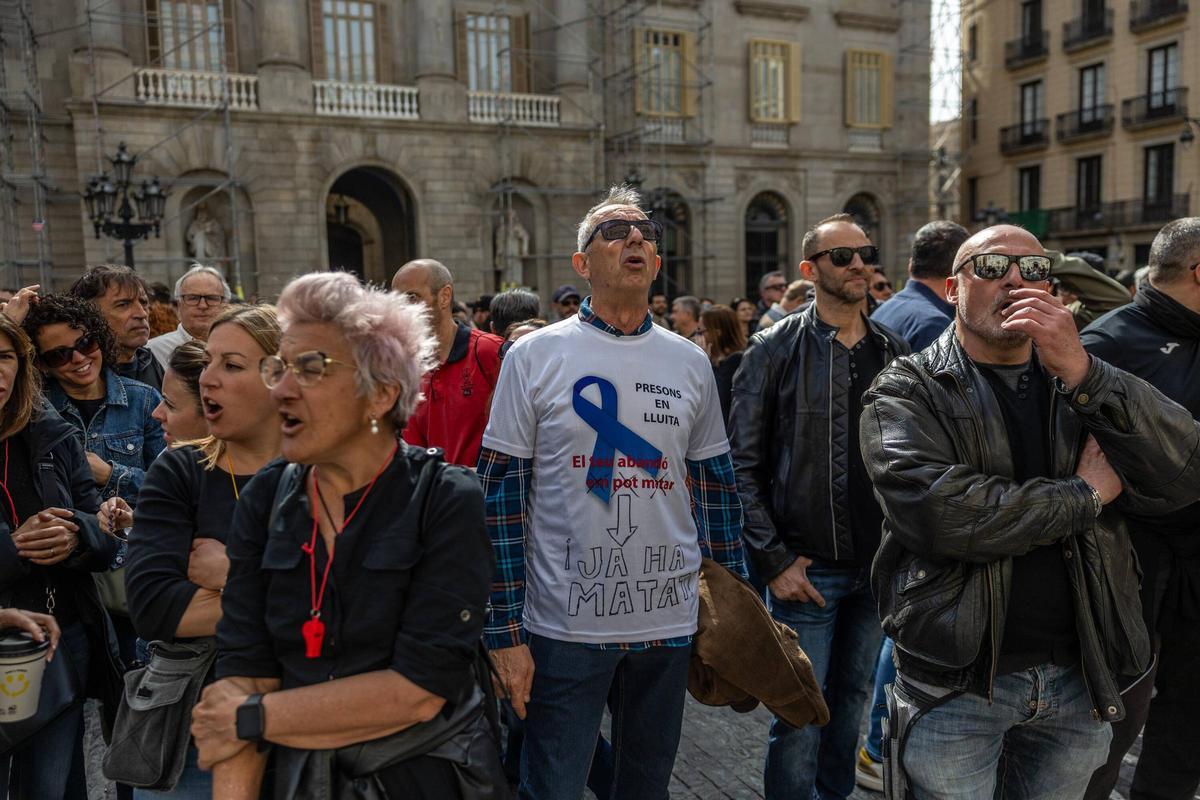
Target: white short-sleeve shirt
{"points": [[611, 550]]}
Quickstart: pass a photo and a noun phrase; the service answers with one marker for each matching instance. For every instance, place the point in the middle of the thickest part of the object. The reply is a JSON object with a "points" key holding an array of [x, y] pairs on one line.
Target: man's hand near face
{"points": [[1050, 326]]}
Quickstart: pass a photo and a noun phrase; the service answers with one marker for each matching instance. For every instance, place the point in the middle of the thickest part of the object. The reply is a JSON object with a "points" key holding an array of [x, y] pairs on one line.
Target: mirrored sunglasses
{"points": [[613, 229], [994, 266]]}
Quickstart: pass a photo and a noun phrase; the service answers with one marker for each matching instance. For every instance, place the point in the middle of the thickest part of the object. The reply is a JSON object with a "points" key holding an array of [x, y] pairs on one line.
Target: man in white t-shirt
{"points": [[597, 424]]}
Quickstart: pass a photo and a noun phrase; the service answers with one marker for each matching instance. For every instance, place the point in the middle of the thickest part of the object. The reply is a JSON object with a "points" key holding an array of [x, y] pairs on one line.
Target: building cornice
{"points": [[771, 10], [870, 22]]}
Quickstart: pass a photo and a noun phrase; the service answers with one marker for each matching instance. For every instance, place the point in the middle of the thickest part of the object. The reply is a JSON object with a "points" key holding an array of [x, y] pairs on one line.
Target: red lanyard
{"points": [[313, 629], [4, 485]]}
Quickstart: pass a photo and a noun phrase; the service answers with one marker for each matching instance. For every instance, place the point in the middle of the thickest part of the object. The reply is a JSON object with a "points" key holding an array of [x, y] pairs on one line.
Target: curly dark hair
{"points": [[79, 314]]}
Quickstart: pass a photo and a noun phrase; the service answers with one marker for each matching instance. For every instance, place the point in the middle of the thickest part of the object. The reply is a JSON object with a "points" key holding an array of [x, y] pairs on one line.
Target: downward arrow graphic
{"points": [[624, 529]]}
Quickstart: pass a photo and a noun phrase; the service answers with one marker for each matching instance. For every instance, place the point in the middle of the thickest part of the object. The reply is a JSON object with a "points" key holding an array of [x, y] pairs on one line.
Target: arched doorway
{"points": [[766, 238], [370, 224], [865, 210], [669, 208]]}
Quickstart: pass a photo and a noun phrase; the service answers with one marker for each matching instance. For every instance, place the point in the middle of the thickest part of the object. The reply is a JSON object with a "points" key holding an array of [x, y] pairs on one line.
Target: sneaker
{"points": [[868, 773]]}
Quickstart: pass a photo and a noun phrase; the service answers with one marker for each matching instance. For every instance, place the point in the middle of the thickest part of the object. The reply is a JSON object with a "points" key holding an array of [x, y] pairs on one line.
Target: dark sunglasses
{"points": [[843, 256], [614, 229], [994, 266], [881, 285], [85, 345]]}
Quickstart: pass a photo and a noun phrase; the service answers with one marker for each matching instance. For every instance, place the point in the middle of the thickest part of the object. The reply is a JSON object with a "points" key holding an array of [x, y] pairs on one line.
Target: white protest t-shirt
{"points": [[611, 551]]}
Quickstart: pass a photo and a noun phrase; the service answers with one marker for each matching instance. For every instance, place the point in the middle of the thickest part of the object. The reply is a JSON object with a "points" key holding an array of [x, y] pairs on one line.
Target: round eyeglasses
{"points": [[309, 368]]}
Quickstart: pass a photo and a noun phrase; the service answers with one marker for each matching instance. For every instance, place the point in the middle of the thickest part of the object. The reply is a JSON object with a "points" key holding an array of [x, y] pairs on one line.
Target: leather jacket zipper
{"points": [[995, 654]]}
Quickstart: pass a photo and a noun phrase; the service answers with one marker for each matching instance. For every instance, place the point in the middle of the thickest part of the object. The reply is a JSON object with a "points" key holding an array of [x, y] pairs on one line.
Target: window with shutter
{"points": [[868, 89], [191, 34], [662, 61], [774, 81], [492, 52]]}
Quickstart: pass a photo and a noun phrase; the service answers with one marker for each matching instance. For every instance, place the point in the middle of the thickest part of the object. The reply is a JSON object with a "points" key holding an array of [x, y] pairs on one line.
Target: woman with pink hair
{"points": [[359, 573]]}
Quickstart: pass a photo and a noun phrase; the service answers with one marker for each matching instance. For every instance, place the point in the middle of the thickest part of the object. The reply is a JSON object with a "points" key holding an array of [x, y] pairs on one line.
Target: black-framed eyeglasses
{"points": [[309, 368], [209, 299], [843, 256], [994, 266], [613, 229], [85, 345]]}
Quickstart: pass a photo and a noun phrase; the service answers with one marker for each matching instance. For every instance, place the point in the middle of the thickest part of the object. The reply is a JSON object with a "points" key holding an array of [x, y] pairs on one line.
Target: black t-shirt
{"points": [[87, 408], [1040, 621], [866, 518], [180, 501]]}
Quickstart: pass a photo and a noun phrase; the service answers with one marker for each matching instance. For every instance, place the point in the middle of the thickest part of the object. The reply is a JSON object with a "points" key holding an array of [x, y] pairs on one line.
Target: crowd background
{"points": [[173, 455]]}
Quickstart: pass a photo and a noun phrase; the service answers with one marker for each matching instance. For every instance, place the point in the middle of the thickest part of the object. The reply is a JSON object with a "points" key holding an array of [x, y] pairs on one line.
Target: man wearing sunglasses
{"points": [[598, 423], [1006, 576], [812, 524]]}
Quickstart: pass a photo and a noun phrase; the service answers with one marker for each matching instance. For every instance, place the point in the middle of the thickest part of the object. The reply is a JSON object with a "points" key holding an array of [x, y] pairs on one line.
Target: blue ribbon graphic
{"points": [[611, 436]]}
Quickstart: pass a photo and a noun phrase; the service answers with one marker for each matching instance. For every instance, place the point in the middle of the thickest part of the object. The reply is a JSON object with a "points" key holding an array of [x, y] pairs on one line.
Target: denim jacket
{"points": [[122, 433]]}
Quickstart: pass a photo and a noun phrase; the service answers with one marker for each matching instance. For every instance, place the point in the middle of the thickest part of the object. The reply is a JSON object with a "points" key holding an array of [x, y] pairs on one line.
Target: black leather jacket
{"points": [[934, 443], [789, 431]]}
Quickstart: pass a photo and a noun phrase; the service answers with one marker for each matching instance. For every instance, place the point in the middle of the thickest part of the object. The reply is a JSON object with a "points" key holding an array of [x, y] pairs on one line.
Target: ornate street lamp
{"points": [[106, 198]]}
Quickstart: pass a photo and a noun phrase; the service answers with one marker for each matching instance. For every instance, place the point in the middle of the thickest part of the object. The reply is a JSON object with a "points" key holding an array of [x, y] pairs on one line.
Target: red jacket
{"points": [[457, 396]]}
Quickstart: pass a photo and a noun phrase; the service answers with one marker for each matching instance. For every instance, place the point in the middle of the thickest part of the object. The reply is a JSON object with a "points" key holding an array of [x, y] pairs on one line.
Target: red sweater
{"points": [[457, 396]]}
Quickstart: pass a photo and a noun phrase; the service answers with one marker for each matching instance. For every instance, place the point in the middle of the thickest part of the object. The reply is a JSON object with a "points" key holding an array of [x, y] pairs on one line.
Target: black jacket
{"points": [[1157, 339], [934, 443], [144, 367], [64, 480], [789, 431]]}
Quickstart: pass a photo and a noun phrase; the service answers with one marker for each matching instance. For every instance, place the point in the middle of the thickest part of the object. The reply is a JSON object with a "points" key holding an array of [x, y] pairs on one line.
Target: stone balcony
{"points": [[365, 100], [502, 108], [194, 89]]}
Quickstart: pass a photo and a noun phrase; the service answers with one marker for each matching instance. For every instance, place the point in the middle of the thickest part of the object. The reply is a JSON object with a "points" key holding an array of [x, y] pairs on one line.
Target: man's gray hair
{"points": [[202, 269], [622, 195], [770, 276], [689, 304], [1175, 250]]}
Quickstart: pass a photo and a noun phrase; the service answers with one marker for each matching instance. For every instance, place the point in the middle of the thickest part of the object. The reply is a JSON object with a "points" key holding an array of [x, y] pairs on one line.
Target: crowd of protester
{"points": [[967, 508]]}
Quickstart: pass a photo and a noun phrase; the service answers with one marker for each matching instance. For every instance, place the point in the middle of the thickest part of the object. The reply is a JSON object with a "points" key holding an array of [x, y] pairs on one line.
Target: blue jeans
{"points": [[571, 683], [194, 783], [842, 642], [43, 767], [1037, 740], [885, 673]]}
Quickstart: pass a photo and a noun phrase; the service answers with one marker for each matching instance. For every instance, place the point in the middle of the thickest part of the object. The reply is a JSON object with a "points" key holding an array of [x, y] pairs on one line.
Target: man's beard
{"points": [[835, 285], [983, 324]]}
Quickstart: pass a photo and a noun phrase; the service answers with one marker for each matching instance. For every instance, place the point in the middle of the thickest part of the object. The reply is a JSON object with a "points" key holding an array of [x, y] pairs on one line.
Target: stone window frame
{"points": [[645, 88], [786, 104], [158, 56], [861, 66], [520, 62]]}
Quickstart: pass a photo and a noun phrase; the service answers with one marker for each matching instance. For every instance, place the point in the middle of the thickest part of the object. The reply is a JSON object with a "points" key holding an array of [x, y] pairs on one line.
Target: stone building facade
{"points": [[1075, 120], [361, 133]]}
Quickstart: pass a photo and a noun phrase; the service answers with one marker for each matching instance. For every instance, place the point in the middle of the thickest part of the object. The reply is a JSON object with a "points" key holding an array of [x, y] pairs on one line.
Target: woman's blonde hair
{"points": [[26, 392], [262, 324]]}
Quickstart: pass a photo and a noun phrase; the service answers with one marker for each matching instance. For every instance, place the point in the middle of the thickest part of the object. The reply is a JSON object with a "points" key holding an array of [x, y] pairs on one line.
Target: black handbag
{"points": [[152, 733]]}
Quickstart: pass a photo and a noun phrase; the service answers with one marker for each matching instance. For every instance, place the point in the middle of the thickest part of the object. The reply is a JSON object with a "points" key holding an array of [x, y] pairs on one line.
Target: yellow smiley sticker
{"points": [[15, 684]]}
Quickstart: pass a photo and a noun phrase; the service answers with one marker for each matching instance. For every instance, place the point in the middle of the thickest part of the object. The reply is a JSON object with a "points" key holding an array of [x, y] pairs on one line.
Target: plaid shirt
{"points": [[716, 509]]}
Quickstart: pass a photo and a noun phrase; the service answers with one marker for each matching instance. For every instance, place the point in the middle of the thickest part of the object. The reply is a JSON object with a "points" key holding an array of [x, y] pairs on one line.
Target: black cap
{"points": [[565, 291]]}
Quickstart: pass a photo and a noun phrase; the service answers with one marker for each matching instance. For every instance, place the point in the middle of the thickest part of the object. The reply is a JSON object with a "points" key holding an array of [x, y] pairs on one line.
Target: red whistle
{"points": [[314, 635], [307, 548]]}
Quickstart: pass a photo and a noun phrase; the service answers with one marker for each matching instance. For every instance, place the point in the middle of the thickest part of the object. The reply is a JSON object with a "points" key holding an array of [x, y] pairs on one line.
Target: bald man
{"points": [[1006, 575], [458, 391]]}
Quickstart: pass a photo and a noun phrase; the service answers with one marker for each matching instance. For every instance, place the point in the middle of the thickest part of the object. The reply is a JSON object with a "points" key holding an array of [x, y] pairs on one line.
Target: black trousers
{"points": [[1168, 767]]}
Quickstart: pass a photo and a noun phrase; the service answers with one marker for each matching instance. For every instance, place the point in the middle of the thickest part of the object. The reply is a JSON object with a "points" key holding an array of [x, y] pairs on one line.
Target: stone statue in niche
{"points": [[510, 244], [205, 236]]}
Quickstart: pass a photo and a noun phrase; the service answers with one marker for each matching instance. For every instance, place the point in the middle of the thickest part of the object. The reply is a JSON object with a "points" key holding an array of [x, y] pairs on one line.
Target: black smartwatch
{"points": [[251, 719]]}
